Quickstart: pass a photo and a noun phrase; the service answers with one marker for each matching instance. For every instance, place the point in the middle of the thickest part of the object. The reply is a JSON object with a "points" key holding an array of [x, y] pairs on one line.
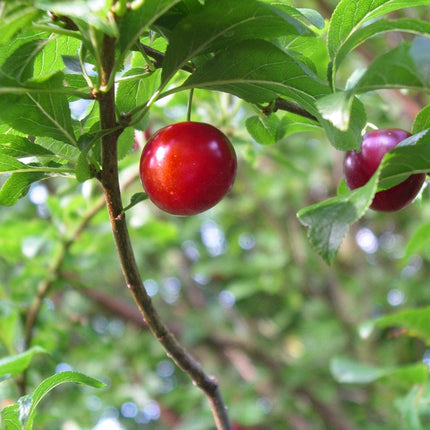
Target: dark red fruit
{"points": [[187, 167], [360, 166]]}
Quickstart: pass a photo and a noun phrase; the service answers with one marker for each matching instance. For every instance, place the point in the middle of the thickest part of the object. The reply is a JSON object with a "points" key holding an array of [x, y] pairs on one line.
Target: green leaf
{"points": [[405, 72], [17, 186], [50, 383], [39, 112], [93, 12], [136, 90], [328, 221], [336, 108], [137, 21], [313, 16], [18, 65], [382, 25], [348, 371], [9, 164], [411, 156], [19, 147], [21, 416], [266, 130], [16, 364], [15, 21], [126, 140], [135, 199], [222, 23], [258, 72], [415, 322], [61, 150], [351, 15], [50, 58], [10, 417], [422, 120]]}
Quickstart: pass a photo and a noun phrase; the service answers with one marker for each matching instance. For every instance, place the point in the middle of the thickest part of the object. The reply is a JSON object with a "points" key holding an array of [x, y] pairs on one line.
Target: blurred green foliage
{"points": [[294, 343]]}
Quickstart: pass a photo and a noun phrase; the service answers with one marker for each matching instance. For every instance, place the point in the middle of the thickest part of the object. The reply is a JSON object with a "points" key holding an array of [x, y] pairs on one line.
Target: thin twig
{"points": [[158, 57], [109, 179]]}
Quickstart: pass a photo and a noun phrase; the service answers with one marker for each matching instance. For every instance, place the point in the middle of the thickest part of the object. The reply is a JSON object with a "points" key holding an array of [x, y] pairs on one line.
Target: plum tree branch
{"points": [[110, 181]]}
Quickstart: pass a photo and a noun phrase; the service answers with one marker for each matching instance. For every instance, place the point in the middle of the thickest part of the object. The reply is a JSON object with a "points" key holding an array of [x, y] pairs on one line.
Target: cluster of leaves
{"points": [[262, 52]]}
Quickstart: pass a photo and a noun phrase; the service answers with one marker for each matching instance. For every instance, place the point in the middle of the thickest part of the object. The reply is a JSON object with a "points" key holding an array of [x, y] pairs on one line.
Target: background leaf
{"points": [[347, 371]]}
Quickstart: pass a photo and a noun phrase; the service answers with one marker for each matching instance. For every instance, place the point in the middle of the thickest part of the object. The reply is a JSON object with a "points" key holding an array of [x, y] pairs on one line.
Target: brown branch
{"points": [[286, 105], [109, 179]]}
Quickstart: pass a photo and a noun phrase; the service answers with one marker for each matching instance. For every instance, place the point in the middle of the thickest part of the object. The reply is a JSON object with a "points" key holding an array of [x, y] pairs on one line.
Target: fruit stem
{"points": [[190, 104]]}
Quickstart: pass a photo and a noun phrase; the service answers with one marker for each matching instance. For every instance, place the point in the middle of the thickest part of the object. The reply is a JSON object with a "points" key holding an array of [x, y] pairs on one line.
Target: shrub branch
{"points": [[110, 181]]}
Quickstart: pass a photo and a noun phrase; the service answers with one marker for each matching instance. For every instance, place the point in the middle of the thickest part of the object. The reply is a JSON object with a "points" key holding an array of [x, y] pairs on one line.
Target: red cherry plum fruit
{"points": [[187, 167], [360, 166]]}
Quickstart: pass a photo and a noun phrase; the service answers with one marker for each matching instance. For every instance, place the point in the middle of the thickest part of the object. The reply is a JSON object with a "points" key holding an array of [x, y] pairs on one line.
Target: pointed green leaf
{"points": [[410, 157], [135, 199], [379, 26], [351, 15], [16, 364], [266, 130], [39, 112], [17, 186], [222, 23], [50, 383], [328, 221]]}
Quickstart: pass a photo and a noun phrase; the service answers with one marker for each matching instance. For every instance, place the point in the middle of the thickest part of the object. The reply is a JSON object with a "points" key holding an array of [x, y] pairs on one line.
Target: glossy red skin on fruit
{"points": [[359, 167], [187, 167]]}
